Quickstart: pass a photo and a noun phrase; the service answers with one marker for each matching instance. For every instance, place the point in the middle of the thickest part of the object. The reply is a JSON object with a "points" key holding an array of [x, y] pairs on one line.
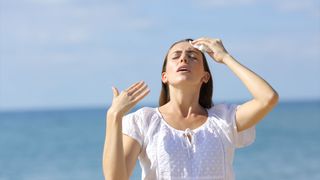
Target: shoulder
{"points": [[224, 116], [224, 113], [143, 116], [222, 109], [143, 112]]}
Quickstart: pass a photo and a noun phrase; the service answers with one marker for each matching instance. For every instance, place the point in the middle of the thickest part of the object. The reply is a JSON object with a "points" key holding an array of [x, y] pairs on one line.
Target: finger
{"points": [[207, 46], [139, 90], [202, 42], [135, 88], [115, 91], [215, 46], [209, 40], [142, 95], [199, 40], [133, 85]]}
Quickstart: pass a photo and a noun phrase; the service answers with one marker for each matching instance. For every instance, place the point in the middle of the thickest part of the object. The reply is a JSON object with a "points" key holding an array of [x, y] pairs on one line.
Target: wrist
{"points": [[114, 114], [227, 58], [113, 120]]}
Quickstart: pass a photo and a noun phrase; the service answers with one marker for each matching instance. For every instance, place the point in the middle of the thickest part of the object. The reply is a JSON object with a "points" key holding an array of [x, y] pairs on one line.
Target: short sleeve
{"points": [[131, 126], [227, 114]]}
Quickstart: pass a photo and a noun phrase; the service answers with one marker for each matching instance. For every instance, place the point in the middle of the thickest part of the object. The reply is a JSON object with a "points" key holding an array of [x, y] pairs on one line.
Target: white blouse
{"points": [[167, 153]]}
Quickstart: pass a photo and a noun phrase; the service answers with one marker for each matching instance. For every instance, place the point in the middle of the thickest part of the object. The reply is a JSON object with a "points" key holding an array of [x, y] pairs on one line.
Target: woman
{"points": [[186, 137]]}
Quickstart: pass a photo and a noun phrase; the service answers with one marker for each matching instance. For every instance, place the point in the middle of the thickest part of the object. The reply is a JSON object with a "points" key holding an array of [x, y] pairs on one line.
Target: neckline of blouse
{"points": [[188, 129]]}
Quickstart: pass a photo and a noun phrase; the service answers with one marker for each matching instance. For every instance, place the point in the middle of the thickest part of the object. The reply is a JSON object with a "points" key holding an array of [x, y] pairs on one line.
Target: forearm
{"points": [[114, 165], [258, 87]]}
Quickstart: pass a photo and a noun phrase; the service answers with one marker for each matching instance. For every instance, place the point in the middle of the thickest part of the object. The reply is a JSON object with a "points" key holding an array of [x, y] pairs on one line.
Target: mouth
{"points": [[183, 69]]}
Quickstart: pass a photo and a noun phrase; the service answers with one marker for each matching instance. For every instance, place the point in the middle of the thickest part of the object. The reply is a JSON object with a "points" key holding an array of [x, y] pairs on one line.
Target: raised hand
{"points": [[123, 102], [214, 48]]}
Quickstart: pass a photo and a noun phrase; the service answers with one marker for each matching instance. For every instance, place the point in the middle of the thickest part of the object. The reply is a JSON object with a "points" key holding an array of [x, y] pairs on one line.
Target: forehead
{"points": [[183, 46]]}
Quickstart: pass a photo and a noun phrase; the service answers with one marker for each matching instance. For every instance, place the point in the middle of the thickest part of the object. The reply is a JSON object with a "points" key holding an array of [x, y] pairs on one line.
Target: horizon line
{"points": [[88, 107]]}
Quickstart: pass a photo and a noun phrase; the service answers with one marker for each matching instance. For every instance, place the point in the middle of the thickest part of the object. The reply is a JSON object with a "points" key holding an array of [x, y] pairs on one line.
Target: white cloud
{"points": [[41, 22], [311, 7], [46, 43], [279, 48], [49, 1], [60, 33], [77, 35], [224, 3]]}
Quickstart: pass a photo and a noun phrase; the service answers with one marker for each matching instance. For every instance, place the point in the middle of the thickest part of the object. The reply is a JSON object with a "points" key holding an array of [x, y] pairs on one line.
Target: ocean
{"points": [[67, 145]]}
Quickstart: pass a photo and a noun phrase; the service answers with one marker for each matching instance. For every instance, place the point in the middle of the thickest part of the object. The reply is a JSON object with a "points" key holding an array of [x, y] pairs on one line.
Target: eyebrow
{"points": [[188, 51]]}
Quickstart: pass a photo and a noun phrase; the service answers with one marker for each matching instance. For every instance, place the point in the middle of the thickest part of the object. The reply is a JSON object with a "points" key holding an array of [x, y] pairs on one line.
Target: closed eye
{"points": [[176, 55], [192, 56]]}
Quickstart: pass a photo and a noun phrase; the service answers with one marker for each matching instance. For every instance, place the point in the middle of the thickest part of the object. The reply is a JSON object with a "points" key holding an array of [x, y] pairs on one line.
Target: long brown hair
{"points": [[206, 90]]}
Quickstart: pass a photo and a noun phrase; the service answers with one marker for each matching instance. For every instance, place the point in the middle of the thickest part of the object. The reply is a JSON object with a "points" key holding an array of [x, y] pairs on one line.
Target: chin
{"points": [[184, 82]]}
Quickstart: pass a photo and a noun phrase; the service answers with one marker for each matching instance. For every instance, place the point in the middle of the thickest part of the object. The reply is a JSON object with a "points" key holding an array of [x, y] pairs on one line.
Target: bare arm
{"points": [[264, 96], [114, 165], [120, 151]]}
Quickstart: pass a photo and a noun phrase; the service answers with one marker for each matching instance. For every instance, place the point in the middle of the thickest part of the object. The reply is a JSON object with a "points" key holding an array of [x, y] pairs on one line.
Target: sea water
{"points": [[68, 144]]}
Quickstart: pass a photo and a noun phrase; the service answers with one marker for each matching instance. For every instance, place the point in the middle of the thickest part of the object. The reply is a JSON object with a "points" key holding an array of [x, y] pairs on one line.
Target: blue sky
{"points": [[68, 53]]}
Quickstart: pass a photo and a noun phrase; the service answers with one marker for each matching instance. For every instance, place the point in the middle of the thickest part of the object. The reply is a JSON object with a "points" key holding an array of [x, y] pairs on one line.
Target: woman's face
{"points": [[184, 66]]}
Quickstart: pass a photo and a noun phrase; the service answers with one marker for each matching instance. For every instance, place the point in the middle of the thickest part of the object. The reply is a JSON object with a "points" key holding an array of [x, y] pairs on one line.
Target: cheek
{"points": [[171, 67], [198, 66]]}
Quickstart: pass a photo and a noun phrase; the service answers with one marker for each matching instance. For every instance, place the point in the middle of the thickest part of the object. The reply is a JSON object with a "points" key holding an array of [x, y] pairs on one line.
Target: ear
{"points": [[164, 77], [206, 77]]}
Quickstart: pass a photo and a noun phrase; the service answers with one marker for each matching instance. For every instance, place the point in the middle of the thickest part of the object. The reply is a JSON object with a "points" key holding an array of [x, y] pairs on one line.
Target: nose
{"points": [[184, 58]]}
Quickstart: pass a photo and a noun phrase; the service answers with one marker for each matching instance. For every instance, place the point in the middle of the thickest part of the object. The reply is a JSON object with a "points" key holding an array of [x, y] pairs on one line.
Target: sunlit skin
{"points": [[183, 110], [183, 54]]}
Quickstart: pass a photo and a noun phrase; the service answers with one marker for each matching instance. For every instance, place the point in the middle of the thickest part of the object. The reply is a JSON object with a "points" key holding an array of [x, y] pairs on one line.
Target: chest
{"points": [[200, 154], [181, 123]]}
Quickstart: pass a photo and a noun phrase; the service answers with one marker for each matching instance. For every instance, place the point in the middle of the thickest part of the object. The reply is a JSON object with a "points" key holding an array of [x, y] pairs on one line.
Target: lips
{"points": [[183, 69]]}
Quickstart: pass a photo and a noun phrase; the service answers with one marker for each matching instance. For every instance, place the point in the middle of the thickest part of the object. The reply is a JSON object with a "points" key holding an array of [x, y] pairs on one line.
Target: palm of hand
{"points": [[123, 102]]}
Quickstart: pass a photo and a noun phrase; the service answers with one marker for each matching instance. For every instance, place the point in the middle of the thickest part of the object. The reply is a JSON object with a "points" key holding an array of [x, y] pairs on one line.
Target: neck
{"points": [[185, 101]]}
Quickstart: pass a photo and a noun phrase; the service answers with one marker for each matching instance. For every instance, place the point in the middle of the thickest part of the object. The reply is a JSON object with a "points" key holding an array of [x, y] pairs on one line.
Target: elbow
{"points": [[272, 99], [114, 177], [111, 174]]}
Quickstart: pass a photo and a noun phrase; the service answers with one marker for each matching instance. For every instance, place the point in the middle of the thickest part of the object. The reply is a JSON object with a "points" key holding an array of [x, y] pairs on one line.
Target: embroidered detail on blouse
{"points": [[203, 153]]}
